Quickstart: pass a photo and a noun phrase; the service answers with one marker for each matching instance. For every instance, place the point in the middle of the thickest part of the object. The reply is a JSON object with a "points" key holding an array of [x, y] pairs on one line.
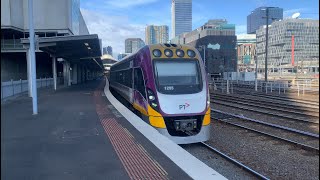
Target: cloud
{"points": [[113, 30], [128, 3]]}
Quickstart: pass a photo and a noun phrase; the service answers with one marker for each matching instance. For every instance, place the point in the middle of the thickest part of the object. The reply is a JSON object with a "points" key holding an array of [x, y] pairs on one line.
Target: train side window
{"points": [[138, 82]]}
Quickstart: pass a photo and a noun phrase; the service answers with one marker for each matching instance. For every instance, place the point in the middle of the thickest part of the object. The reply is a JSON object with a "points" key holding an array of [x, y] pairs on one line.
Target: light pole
{"points": [[256, 73], [204, 55], [266, 48]]}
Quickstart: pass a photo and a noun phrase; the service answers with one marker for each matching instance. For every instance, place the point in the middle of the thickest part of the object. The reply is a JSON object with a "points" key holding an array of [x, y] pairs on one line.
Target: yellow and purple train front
{"points": [[167, 85]]}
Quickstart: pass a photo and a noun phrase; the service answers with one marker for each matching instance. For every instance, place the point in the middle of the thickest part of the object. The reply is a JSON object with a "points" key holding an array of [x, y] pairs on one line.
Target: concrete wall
{"points": [[16, 7], [83, 30], [5, 10], [48, 14]]}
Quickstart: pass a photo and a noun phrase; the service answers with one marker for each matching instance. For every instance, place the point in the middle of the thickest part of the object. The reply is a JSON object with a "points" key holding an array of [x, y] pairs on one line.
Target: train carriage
{"points": [[166, 85]]}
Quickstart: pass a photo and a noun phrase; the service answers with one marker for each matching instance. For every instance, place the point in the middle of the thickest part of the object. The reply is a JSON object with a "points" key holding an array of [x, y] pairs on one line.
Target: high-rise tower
{"points": [[157, 34], [181, 16]]}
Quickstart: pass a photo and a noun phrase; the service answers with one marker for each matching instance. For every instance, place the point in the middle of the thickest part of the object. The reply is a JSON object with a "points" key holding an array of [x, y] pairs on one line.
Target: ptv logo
{"points": [[183, 106]]}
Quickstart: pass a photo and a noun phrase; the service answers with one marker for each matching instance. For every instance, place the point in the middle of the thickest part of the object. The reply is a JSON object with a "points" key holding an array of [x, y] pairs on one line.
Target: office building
{"points": [[246, 52], [104, 51], [133, 44], [292, 44], [157, 34], [181, 17], [217, 40], [107, 50], [257, 18]]}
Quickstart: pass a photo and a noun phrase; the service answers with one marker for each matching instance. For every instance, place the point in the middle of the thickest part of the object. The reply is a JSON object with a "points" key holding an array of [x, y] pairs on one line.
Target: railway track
{"points": [[274, 103], [255, 173], [276, 97], [268, 106], [226, 115], [232, 160], [270, 111]]}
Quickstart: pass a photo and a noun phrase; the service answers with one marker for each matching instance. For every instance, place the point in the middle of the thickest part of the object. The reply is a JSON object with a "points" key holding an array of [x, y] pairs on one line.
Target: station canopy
{"points": [[79, 49]]}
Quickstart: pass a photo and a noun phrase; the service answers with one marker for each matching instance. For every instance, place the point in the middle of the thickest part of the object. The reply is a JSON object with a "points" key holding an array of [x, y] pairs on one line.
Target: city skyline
{"points": [[114, 21]]}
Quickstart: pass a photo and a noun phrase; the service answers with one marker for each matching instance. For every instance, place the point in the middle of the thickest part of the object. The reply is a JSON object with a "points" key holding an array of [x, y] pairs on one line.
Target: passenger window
{"points": [[138, 82]]}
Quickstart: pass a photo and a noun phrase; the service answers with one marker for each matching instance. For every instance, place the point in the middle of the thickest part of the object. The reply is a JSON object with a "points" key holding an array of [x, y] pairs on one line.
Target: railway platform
{"points": [[82, 132]]}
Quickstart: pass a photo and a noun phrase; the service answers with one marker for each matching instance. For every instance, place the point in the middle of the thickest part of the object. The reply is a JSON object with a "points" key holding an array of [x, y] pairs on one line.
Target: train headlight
{"points": [[180, 53], [156, 53], [152, 99], [191, 53], [168, 53]]}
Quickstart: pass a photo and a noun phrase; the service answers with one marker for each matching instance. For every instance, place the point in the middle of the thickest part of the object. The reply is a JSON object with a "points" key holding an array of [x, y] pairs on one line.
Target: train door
{"points": [[140, 91]]}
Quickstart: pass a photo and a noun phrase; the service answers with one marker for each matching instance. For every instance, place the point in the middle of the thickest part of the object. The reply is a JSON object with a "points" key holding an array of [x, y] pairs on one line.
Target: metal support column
{"points": [[266, 49], [54, 72], [29, 73], [33, 59], [69, 73]]}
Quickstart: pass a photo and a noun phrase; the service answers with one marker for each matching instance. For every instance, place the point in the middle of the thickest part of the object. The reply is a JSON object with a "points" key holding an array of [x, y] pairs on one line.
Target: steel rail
{"points": [[265, 107], [269, 124], [235, 161], [316, 103], [303, 146], [269, 113], [274, 103]]}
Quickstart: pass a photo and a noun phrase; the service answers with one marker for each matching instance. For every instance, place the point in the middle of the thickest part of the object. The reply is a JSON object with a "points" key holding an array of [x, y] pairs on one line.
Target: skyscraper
{"points": [[109, 50], [157, 34], [181, 16], [257, 18], [104, 51], [133, 44]]}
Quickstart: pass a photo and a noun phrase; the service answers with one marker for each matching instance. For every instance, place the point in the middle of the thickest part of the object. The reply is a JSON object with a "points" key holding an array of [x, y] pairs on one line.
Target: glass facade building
{"points": [[75, 13], [257, 18], [300, 36], [133, 44], [216, 42], [181, 16], [157, 34]]}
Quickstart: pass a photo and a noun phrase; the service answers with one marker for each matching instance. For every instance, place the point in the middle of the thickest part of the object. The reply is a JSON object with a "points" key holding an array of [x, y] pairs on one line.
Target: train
{"points": [[167, 86]]}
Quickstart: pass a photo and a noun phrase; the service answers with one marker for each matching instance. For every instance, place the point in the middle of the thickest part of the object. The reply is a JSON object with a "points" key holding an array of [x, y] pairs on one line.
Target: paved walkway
{"points": [[71, 139]]}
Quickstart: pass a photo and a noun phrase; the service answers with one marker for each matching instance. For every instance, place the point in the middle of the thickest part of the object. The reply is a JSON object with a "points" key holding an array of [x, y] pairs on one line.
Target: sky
{"points": [[114, 20]]}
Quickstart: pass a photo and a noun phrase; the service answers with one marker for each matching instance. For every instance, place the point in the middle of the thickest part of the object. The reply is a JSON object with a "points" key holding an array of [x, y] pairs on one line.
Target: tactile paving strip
{"points": [[133, 156]]}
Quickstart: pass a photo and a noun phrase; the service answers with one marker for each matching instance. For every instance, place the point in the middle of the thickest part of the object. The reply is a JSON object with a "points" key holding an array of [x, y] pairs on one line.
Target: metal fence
{"points": [[299, 87], [11, 44], [12, 88]]}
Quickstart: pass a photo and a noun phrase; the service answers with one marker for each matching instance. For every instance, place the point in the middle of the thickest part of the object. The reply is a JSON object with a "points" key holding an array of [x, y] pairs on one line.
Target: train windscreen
{"points": [[178, 76]]}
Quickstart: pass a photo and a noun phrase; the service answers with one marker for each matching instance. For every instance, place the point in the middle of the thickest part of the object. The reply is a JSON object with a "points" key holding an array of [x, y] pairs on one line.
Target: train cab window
{"points": [[139, 82], [178, 76]]}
